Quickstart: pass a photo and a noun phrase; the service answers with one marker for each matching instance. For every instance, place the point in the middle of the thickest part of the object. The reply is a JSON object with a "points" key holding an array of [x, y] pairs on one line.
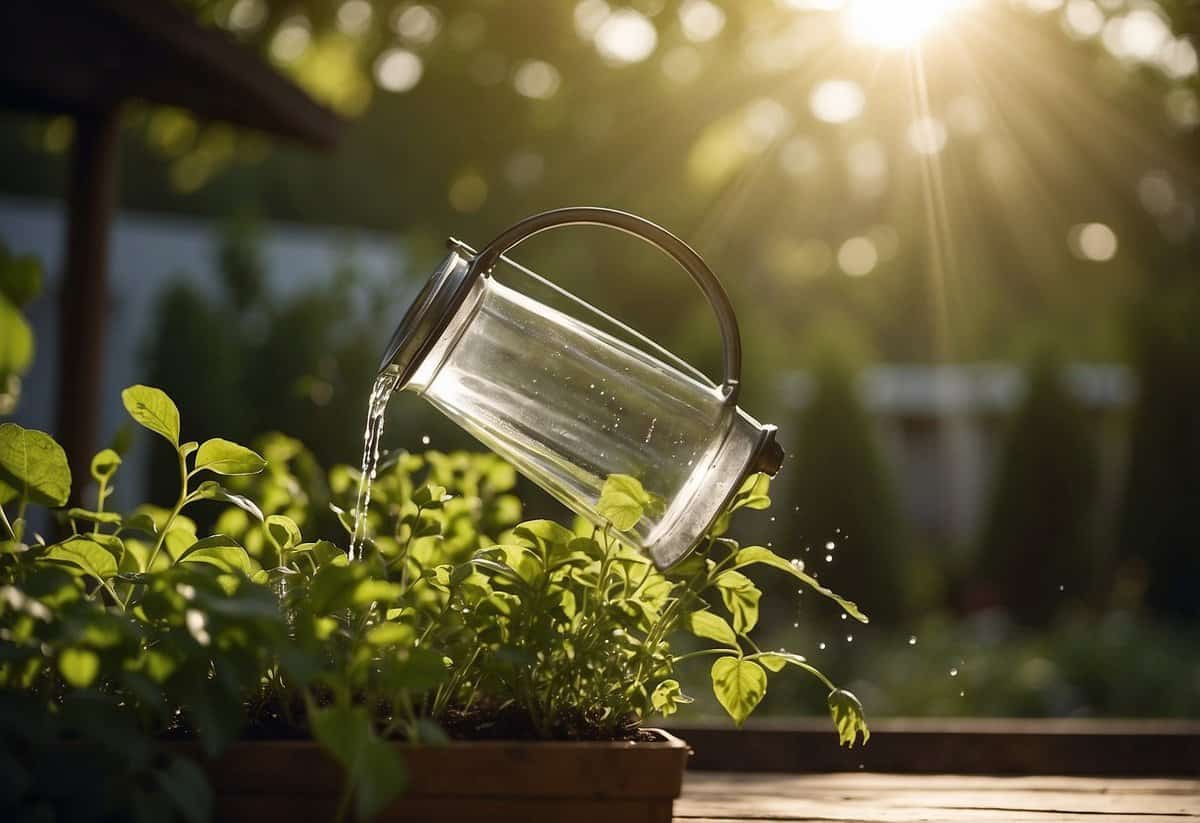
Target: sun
{"points": [[897, 24]]}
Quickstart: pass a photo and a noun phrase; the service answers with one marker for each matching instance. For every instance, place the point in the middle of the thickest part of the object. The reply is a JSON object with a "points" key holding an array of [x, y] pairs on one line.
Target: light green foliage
{"points": [[20, 282], [848, 717], [33, 466], [739, 685], [455, 604], [153, 409], [224, 457]]}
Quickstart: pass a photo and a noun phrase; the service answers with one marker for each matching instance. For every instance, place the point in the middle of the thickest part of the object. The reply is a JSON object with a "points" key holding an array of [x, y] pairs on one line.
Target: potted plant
{"points": [[470, 666]]}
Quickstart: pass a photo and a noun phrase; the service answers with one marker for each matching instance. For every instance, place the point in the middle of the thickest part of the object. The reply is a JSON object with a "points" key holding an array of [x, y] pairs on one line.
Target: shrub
{"points": [[1039, 535], [459, 619]]}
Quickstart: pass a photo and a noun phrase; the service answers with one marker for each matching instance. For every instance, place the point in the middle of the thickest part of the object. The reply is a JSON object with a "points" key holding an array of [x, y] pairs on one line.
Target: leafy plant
{"points": [[460, 621]]}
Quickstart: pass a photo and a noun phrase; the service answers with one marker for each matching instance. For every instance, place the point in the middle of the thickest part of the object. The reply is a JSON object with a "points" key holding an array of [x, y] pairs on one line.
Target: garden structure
{"points": [[87, 59]]}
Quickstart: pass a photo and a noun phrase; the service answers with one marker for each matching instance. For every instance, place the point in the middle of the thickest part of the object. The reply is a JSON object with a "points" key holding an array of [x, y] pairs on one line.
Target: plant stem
{"points": [[7, 525], [179, 504]]}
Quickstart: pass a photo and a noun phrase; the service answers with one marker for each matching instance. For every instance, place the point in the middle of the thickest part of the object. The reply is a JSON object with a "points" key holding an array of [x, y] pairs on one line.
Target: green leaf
{"points": [[223, 456], [848, 717], [775, 661], [212, 490], [85, 553], [668, 697], [103, 518], [374, 771], [284, 531], [16, 340], [79, 667], [740, 596], [104, 464], [20, 277], [712, 627], [391, 634], [153, 409], [622, 501], [753, 493], [34, 465], [739, 686], [220, 551], [759, 554], [430, 496]]}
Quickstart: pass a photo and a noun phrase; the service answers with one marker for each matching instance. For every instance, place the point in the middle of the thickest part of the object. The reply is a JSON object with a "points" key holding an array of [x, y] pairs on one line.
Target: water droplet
{"points": [[830, 546], [796, 625], [912, 640], [962, 694], [843, 615], [1062, 588], [772, 516], [829, 558], [849, 638], [591, 385], [797, 564], [821, 646], [425, 440], [954, 672]]}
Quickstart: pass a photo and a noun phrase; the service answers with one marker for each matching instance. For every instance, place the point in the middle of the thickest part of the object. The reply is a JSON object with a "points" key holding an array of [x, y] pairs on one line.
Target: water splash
{"points": [[381, 392]]}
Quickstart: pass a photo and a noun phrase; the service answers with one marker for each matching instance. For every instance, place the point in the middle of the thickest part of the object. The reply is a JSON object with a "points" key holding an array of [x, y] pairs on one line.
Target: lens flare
{"points": [[893, 24]]}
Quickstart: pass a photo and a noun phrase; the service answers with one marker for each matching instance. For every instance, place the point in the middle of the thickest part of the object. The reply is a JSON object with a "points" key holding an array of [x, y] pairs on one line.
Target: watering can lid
{"points": [[430, 313]]}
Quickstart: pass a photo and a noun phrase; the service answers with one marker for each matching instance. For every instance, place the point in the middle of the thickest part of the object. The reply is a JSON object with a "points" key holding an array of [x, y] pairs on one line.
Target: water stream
{"points": [[381, 392]]}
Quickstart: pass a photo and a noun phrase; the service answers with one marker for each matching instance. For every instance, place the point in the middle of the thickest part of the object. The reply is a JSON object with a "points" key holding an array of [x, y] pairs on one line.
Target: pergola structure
{"points": [[85, 59]]}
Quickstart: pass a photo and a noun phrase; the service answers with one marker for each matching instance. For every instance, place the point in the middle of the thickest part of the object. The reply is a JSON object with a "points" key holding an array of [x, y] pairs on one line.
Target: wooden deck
{"points": [[893, 798]]}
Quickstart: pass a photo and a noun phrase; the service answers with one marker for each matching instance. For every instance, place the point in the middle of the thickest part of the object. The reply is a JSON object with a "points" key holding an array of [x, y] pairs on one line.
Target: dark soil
{"points": [[269, 720]]}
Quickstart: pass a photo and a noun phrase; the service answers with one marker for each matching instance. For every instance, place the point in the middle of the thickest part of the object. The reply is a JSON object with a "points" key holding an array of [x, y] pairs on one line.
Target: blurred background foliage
{"points": [[947, 181]]}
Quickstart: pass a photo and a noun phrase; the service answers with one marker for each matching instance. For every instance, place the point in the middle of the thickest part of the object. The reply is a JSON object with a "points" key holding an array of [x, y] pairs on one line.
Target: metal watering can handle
{"points": [[656, 235]]}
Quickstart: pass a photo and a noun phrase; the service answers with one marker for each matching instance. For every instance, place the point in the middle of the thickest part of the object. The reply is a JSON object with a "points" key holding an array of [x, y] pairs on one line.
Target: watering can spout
{"points": [[769, 458]]}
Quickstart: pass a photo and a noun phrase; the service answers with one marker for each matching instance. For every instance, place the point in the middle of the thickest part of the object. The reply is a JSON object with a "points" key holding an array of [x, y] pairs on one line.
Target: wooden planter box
{"points": [[488, 781]]}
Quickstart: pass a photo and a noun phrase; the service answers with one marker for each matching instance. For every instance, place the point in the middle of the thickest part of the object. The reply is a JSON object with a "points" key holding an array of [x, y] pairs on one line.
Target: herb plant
{"points": [[135, 629]]}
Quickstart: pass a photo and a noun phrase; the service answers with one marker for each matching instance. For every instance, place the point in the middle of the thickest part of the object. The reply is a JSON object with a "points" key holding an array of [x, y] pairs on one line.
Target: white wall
{"points": [[148, 252]]}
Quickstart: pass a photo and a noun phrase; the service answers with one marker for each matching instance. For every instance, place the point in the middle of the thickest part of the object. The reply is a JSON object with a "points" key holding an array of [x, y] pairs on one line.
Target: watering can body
{"points": [[571, 405]]}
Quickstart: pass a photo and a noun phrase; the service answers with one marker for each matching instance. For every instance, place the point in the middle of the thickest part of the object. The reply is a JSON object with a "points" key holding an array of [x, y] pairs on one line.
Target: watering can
{"points": [[570, 405]]}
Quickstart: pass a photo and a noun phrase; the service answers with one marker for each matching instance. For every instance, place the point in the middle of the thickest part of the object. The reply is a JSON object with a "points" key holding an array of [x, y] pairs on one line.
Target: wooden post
{"points": [[83, 293]]}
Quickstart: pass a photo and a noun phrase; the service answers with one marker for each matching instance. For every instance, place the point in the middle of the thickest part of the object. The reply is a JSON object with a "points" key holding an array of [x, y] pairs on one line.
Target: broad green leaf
{"points": [[105, 464], [622, 501], [712, 627], [84, 553], [220, 551], [430, 496], [391, 634], [284, 531], [212, 490], [153, 409], [848, 717], [16, 340], [759, 554], [668, 697], [373, 768], [79, 667], [753, 493], [775, 661], [34, 465], [740, 596], [103, 518], [226, 457], [739, 686], [140, 522]]}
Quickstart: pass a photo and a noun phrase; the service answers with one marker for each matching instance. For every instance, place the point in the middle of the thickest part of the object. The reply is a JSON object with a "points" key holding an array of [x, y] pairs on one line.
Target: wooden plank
{"points": [[883, 798], [993, 746]]}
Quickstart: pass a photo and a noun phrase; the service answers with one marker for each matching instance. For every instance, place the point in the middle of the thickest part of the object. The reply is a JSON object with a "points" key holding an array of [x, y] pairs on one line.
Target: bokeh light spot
{"points": [[701, 20], [1093, 241], [927, 135], [468, 192], [537, 79], [837, 101], [857, 256], [626, 36], [398, 70]]}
